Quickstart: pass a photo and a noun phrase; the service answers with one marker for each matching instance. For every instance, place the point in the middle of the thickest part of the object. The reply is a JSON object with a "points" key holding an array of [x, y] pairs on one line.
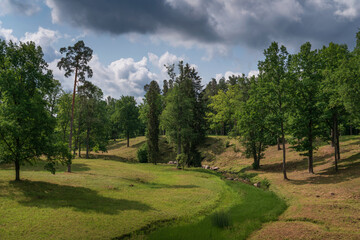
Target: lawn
{"points": [[109, 198], [102, 199]]}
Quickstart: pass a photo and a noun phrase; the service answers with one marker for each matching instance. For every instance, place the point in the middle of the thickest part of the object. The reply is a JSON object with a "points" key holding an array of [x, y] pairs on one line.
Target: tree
{"points": [[275, 80], [331, 58], [92, 113], [306, 121], [26, 123], [183, 116], [75, 61], [63, 114], [153, 99], [127, 116], [253, 116]]}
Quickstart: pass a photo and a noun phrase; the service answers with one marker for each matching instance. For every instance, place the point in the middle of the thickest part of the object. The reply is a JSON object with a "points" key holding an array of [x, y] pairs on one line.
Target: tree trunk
{"points": [[79, 150], [278, 144], [351, 130], [335, 141], [17, 169], [338, 140], [128, 139], [332, 135], [311, 169], [72, 118], [284, 150], [87, 143], [178, 150]]}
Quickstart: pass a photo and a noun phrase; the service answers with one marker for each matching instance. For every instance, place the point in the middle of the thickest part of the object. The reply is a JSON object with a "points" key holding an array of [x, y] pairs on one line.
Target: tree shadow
{"points": [[298, 165], [115, 145], [158, 185], [49, 195], [112, 158], [39, 167], [348, 169]]}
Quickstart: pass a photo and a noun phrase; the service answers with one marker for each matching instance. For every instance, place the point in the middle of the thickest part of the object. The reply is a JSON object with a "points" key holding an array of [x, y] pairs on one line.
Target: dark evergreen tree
{"points": [[153, 99]]}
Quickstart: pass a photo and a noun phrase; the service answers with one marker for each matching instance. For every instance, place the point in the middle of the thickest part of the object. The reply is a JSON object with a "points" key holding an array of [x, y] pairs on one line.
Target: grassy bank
{"points": [[324, 205]]}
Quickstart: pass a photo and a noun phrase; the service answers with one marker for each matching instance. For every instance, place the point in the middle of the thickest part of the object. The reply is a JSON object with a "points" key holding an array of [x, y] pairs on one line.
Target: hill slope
{"points": [[324, 205]]}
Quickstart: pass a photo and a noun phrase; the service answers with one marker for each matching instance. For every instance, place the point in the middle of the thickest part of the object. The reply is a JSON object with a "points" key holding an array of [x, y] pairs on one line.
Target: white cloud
{"points": [[165, 59], [121, 77], [253, 73], [7, 34], [46, 39]]}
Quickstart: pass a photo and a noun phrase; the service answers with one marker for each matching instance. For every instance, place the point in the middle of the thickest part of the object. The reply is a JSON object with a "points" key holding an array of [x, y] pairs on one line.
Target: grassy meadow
{"points": [[111, 196]]}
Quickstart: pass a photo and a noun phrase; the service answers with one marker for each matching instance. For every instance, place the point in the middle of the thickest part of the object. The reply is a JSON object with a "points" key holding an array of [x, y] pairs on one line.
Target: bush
{"points": [[265, 183], [227, 144], [221, 219], [181, 159], [142, 154]]}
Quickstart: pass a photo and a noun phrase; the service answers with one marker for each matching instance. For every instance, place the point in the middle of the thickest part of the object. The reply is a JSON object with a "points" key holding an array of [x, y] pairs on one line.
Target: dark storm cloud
{"points": [[253, 23], [139, 16]]}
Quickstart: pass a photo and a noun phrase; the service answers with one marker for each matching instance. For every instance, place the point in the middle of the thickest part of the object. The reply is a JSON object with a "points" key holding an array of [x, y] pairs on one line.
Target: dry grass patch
{"points": [[324, 205]]}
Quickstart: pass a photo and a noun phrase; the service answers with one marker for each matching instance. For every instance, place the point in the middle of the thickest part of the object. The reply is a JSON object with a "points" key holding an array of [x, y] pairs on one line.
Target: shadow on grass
{"points": [[157, 185], [39, 167], [112, 158], [49, 195], [348, 169], [115, 145]]}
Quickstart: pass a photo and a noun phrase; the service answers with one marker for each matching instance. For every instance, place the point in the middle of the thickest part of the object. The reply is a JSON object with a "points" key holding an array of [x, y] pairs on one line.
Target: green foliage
{"points": [[126, 116], [265, 183], [142, 153], [183, 116], [26, 123], [221, 219], [253, 124], [153, 100], [181, 159]]}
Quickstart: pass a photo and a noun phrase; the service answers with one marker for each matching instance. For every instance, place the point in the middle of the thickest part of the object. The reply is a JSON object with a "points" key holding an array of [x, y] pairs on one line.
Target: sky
{"points": [[132, 40]]}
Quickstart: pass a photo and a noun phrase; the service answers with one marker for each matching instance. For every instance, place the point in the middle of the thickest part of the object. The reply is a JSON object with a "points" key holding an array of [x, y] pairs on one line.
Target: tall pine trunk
{"points": [[128, 139], [72, 119], [87, 143], [335, 142], [284, 150], [311, 160], [178, 149]]}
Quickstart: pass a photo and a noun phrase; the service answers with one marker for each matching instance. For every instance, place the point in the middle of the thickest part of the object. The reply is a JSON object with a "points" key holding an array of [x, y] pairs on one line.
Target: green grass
{"points": [[246, 210], [115, 197], [102, 199]]}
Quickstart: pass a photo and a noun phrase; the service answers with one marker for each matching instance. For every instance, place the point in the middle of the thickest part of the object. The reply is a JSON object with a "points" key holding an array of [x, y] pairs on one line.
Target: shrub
{"points": [[142, 154], [265, 183], [181, 159], [221, 219], [227, 144]]}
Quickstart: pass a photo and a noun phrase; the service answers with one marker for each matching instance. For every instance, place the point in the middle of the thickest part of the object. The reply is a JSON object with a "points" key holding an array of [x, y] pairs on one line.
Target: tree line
{"points": [[296, 98]]}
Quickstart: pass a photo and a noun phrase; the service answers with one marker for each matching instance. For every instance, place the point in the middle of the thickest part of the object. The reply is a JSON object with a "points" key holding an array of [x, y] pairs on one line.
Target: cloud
{"points": [[26, 7], [6, 34], [160, 61], [216, 25], [253, 73], [121, 77], [46, 39], [227, 75]]}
